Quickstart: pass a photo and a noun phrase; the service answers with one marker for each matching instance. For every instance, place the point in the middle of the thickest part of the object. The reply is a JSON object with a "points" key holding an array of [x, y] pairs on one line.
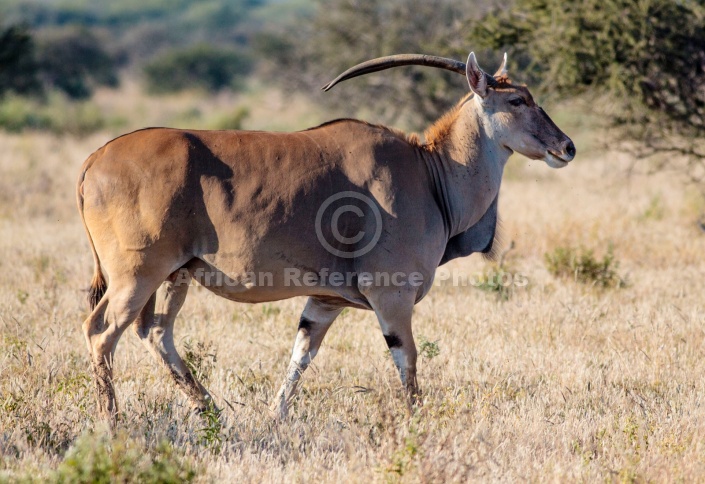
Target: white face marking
{"points": [[493, 125]]}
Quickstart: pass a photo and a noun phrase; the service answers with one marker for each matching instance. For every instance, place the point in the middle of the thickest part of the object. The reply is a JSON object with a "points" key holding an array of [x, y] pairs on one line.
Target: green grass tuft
{"points": [[95, 458], [584, 267]]}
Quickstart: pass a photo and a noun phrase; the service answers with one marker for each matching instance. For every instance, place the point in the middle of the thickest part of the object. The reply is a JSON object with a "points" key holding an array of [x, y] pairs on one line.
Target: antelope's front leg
{"points": [[316, 318], [393, 310]]}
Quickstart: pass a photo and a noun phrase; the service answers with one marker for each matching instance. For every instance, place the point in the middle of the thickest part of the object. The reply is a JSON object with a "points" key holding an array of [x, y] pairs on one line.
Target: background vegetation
{"points": [[592, 371], [642, 61]]}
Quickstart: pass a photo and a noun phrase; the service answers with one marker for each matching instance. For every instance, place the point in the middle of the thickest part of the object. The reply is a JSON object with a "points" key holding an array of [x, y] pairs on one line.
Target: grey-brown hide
{"points": [[221, 206]]}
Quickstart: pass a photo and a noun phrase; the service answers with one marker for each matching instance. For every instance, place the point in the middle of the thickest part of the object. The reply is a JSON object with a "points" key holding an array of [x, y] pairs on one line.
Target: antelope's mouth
{"points": [[555, 161]]}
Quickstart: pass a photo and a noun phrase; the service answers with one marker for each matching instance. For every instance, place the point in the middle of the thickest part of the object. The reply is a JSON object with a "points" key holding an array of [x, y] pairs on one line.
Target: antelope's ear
{"points": [[477, 78]]}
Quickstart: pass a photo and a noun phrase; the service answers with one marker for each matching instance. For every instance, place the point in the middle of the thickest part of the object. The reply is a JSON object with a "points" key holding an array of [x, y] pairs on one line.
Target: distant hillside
{"points": [[136, 30]]}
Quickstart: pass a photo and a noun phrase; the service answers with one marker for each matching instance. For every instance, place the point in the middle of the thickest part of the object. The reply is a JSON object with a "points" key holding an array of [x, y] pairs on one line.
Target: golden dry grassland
{"points": [[555, 381]]}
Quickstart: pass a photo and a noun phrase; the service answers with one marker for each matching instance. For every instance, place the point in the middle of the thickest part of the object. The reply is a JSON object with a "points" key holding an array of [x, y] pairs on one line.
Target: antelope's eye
{"points": [[517, 101]]}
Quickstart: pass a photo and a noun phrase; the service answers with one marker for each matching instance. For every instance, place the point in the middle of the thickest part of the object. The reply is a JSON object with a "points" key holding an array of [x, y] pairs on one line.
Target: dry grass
{"points": [[558, 382]]}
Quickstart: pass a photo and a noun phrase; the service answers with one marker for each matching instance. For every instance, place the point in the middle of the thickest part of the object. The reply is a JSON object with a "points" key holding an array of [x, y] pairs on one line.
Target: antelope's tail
{"points": [[98, 283]]}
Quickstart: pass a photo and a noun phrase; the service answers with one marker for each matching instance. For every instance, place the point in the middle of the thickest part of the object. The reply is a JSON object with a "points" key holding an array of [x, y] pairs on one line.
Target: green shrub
{"points": [[95, 458], [73, 61], [429, 349], [232, 120], [201, 66], [18, 67], [491, 281], [211, 435], [18, 114], [55, 114], [582, 266]]}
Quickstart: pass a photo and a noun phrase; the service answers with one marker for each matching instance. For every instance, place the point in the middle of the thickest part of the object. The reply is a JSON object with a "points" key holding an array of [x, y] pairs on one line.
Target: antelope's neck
{"points": [[467, 171]]}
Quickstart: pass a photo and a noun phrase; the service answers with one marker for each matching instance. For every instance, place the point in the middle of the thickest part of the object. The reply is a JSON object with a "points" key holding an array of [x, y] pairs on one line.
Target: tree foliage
{"points": [[201, 66], [18, 69], [342, 33], [141, 29], [74, 61], [647, 56], [70, 60]]}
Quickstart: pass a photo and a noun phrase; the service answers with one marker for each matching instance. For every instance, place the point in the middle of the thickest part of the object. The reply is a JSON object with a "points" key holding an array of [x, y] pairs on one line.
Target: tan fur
{"points": [[219, 205], [439, 132], [411, 138]]}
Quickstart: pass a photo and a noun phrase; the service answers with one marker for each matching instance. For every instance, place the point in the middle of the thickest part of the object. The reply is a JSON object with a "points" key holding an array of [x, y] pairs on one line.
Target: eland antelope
{"points": [[162, 207]]}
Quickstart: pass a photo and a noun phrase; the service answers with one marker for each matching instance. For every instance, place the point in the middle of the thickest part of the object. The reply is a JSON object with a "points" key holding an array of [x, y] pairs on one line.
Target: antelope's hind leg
{"points": [[316, 318], [155, 327], [118, 308]]}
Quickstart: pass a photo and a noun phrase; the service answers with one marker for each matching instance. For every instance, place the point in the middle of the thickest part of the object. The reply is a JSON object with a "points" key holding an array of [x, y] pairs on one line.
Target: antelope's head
{"points": [[512, 118], [507, 111]]}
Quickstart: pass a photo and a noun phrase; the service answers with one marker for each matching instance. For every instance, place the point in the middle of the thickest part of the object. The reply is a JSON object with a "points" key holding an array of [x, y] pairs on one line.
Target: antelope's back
{"points": [[212, 189]]}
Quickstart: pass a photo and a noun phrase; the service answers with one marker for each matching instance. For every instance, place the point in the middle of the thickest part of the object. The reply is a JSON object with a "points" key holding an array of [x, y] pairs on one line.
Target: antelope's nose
{"points": [[569, 149]]}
